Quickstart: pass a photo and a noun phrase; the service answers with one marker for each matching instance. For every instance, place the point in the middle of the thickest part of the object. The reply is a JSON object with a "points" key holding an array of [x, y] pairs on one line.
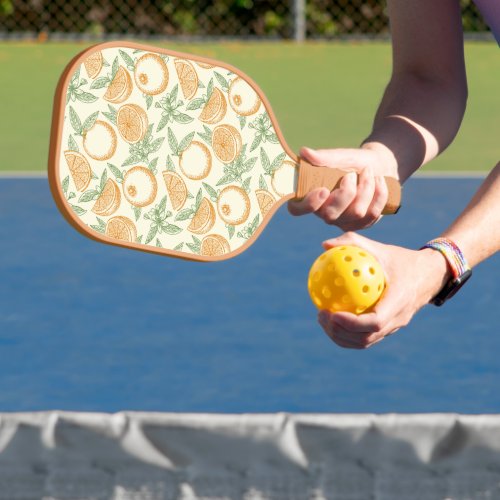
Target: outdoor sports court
{"points": [[230, 353]]}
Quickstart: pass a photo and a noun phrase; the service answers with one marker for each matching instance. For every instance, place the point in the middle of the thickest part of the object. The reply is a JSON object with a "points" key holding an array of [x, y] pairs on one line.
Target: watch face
{"points": [[451, 288]]}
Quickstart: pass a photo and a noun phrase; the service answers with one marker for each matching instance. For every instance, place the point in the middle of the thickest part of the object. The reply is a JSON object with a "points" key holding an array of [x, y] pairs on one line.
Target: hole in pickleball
{"points": [[372, 270], [346, 299], [327, 293], [348, 258], [366, 289], [317, 276], [379, 287], [362, 254], [330, 268], [356, 273], [339, 281]]}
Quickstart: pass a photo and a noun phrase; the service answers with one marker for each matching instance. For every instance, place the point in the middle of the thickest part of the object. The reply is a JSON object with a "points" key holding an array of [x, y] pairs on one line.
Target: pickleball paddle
{"points": [[172, 153]]}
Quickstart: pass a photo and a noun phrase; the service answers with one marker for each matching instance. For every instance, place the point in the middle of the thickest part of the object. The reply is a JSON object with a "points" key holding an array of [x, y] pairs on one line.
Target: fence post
{"points": [[299, 20]]}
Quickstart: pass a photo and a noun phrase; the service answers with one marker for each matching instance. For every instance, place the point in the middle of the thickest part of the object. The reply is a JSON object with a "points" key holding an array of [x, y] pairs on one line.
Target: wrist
{"points": [[437, 272], [386, 159]]}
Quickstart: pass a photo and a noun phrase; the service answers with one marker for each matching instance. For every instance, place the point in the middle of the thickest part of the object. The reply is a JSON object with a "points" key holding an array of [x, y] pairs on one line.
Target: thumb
{"points": [[349, 159]]}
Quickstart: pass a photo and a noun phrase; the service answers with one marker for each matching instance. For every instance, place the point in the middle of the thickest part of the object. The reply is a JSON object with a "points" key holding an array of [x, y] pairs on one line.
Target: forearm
{"points": [[416, 120], [477, 230], [424, 103]]}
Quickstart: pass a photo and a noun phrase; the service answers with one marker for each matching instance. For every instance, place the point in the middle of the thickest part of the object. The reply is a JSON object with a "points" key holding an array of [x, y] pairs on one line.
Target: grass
{"points": [[323, 94]]}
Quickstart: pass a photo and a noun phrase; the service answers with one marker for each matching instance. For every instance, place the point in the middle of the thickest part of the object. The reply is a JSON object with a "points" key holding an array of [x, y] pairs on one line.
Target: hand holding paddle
{"points": [[172, 153]]}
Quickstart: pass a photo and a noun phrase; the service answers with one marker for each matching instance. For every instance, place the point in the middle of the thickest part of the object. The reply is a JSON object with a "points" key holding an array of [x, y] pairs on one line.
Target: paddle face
{"points": [[167, 153]]}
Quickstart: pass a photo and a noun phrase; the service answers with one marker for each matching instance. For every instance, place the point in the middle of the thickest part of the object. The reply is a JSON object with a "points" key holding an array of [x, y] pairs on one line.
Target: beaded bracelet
{"points": [[459, 267]]}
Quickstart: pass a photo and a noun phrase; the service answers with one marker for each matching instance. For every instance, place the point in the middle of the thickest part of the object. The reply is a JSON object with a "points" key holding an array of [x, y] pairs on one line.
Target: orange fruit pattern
{"points": [[169, 152]]}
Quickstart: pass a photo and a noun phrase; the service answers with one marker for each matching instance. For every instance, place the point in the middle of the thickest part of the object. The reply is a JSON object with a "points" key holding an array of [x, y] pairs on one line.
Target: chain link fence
{"points": [[283, 19]]}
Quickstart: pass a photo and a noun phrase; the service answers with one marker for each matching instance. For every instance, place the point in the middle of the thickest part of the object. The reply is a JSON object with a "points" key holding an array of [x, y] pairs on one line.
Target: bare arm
{"points": [[424, 103], [418, 117]]}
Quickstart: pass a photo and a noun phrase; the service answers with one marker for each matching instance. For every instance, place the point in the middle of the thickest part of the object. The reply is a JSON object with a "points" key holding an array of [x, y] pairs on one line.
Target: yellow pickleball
{"points": [[346, 278]]}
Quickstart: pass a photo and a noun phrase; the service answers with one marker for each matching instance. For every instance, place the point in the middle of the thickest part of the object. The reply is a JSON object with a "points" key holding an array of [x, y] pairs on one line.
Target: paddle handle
{"points": [[311, 177]]}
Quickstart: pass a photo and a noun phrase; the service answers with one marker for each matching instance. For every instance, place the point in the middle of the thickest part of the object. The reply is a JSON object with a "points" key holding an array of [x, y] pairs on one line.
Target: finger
{"points": [[339, 335], [311, 203], [380, 196], [348, 238], [358, 209], [339, 199]]}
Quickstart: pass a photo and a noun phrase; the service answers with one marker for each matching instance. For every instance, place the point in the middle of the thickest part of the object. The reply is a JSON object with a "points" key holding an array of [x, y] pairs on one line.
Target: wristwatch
{"points": [[460, 270]]}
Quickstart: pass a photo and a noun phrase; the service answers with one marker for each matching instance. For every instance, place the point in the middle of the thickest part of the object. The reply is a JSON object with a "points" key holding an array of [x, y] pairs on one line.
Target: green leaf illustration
{"points": [[152, 165], [170, 164], [153, 231], [104, 178], [184, 214], [129, 62], [230, 230], [222, 81], [265, 162], [86, 97], [182, 118], [75, 121], [65, 184], [137, 213], [89, 195], [199, 198], [246, 184], [195, 247], [158, 243], [156, 145], [72, 144], [116, 172], [90, 121], [172, 142], [255, 143], [78, 211], [100, 227], [114, 67], [171, 229], [139, 239], [185, 142], [243, 121], [100, 83], [211, 191], [149, 100], [178, 247], [195, 104], [111, 115], [206, 135]]}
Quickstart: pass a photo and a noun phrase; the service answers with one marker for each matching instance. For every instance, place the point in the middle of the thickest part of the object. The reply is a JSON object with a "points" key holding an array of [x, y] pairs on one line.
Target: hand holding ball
{"points": [[346, 278]]}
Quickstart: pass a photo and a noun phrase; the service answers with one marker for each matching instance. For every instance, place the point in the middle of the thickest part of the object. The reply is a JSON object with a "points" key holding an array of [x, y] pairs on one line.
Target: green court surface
{"points": [[323, 94]]}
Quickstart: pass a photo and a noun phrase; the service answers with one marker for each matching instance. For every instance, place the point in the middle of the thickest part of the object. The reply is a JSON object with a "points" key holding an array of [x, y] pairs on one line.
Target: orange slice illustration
{"points": [[109, 200], [93, 64], [243, 98], [79, 169], [151, 74], [265, 200], [176, 188], [132, 122], [233, 205], [188, 78], [100, 141], [215, 109], [204, 218], [226, 142], [120, 88], [214, 245], [196, 161], [121, 228], [139, 186], [283, 178], [205, 65]]}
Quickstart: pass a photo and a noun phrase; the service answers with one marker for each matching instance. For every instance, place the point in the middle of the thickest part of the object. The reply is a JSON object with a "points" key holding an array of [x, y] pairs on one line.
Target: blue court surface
{"points": [[90, 327]]}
